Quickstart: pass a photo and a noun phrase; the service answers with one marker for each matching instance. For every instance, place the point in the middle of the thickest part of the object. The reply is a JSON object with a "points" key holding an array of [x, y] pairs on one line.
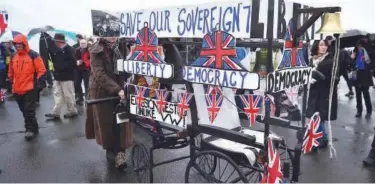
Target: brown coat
{"points": [[99, 118]]}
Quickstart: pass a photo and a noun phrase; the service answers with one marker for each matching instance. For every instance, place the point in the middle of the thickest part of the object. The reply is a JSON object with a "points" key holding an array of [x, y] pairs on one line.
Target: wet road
{"points": [[62, 154]]}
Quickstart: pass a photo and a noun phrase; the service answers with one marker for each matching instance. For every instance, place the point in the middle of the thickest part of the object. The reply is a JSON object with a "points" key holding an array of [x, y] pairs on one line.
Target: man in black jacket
{"points": [[64, 62]]}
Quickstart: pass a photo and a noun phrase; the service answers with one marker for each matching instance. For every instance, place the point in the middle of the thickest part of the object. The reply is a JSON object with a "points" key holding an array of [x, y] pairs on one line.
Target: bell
{"points": [[331, 24]]}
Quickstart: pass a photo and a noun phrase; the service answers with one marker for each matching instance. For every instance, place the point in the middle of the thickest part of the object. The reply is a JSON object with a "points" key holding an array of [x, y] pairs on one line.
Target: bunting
{"points": [[184, 100], [214, 99], [252, 105], [161, 99], [140, 92]]}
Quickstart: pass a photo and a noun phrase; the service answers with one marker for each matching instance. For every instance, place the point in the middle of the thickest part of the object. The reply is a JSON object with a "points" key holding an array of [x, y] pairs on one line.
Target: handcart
{"points": [[219, 152]]}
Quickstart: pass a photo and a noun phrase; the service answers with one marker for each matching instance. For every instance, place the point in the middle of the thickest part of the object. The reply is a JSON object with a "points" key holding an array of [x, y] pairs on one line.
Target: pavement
{"points": [[61, 153]]}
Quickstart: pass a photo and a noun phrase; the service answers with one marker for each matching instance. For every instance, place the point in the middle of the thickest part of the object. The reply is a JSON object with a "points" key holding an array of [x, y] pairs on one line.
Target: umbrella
{"points": [[46, 45], [350, 37], [8, 35], [34, 43], [35, 31]]}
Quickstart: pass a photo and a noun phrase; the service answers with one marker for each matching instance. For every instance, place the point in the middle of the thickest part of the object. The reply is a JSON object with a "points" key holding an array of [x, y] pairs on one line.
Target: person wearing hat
{"points": [[64, 61]]}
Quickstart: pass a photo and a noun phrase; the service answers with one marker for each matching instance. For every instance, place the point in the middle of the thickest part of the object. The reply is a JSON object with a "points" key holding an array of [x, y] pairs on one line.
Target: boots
{"points": [[358, 114], [120, 162], [349, 94], [30, 135]]}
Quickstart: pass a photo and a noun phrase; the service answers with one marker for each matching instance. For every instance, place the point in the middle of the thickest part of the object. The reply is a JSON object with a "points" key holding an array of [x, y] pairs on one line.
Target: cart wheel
{"points": [[141, 163], [286, 156], [213, 167]]}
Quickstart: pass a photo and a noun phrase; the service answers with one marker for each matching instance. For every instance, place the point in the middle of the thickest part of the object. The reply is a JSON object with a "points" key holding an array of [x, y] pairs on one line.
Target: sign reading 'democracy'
{"points": [[148, 108], [219, 64], [288, 78], [292, 70], [224, 78], [145, 59]]}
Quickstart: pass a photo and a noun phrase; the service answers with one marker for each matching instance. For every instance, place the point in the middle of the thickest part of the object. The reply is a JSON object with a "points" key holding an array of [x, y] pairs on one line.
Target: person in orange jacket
{"points": [[25, 69]]}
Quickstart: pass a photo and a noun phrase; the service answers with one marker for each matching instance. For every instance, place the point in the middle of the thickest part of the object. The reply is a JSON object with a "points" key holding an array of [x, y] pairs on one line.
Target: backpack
{"points": [[41, 82]]}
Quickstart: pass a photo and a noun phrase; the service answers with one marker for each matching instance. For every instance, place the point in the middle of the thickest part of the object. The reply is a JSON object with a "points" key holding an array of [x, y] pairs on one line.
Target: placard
{"points": [[219, 64], [283, 79], [145, 58], [292, 70], [224, 78], [148, 69], [148, 108]]}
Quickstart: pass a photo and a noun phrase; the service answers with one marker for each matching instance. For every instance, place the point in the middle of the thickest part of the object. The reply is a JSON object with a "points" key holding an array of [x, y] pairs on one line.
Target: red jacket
{"points": [[84, 55]]}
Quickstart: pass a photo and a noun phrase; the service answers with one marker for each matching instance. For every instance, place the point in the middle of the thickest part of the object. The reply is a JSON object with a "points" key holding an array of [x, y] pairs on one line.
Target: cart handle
{"points": [[102, 100]]}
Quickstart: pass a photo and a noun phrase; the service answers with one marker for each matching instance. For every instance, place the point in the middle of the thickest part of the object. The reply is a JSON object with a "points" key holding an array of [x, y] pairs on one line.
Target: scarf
{"points": [[316, 60]]}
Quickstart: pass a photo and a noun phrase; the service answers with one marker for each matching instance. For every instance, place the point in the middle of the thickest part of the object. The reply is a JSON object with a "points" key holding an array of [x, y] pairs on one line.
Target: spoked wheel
{"points": [[213, 167], [141, 163], [253, 175], [286, 156]]}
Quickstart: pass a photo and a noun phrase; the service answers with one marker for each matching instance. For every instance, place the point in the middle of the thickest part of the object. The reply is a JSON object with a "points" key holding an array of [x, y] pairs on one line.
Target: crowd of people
{"points": [[25, 74], [356, 67]]}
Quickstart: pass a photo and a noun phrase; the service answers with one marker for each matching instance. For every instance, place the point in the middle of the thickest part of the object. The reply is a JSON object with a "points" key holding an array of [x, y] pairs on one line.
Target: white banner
{"points": [[189, 21], [241, 18]]}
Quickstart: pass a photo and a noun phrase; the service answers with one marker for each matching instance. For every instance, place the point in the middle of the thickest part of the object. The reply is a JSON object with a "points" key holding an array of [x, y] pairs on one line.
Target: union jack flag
{"points": [[252, 106], [146, 47], [274, 173], [292, 56], [184, 100], [2, 95], [140, 95], [214, 99], [311, 135], [161, 99], [219, 51], [3, 22]]}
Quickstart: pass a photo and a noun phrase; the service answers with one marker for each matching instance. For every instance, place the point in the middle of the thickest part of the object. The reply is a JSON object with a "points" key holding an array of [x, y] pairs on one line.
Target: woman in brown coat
{"points": [[100, 123]]}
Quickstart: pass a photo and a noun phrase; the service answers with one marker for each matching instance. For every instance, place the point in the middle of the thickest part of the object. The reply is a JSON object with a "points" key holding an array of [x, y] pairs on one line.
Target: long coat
{"points": [[318, 99], [99, 118]]}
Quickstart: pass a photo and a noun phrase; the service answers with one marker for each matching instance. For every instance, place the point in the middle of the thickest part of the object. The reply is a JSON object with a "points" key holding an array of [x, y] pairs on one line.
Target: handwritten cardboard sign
{"points": [[148, 108]]}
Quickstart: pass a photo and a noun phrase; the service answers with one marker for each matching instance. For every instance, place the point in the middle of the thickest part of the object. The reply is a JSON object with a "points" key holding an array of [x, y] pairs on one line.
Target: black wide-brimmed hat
{"points": [[59, 37]]}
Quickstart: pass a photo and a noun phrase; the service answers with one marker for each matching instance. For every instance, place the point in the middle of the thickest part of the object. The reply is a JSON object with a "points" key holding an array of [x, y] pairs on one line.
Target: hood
{"points": [[22, 39]]}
